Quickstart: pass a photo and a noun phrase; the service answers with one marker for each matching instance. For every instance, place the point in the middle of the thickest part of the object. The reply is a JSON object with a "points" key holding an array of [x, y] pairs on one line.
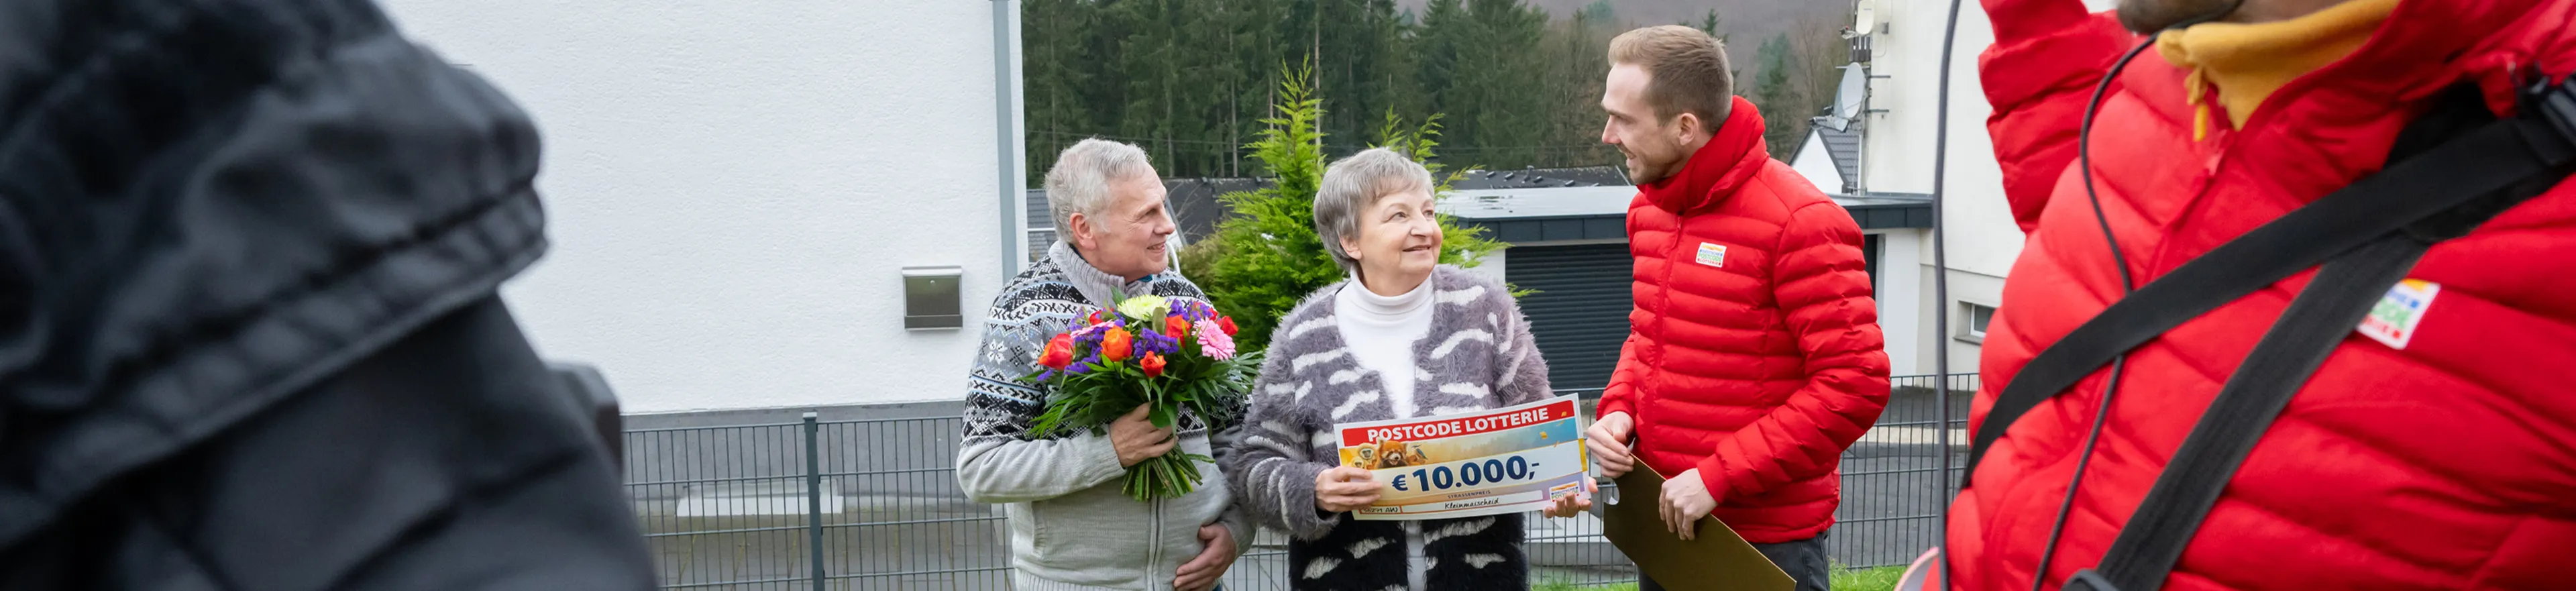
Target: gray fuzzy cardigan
{"points": [[1477, 355]]}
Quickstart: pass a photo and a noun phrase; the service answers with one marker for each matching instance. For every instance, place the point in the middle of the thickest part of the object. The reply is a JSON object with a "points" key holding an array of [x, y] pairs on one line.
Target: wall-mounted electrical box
{"points": [[930, 298]]}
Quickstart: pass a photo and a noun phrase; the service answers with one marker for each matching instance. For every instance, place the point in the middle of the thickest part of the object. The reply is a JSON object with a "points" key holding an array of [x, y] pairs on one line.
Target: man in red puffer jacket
{"points": [[1756, 357], [2431, 454]]}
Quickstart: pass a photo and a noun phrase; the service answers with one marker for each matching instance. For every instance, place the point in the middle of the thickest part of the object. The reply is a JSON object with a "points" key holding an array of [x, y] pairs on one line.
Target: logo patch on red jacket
{"points": [[2392, 322], [1712, 254]]}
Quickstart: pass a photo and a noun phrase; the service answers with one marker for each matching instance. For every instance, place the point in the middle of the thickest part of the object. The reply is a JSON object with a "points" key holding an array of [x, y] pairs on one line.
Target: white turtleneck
{"points": [[1381, 332]]}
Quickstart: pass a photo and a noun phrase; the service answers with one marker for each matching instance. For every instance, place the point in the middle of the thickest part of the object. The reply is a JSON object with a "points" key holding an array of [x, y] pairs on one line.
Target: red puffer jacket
{"points": [[1756, 356], [2444, 460]]}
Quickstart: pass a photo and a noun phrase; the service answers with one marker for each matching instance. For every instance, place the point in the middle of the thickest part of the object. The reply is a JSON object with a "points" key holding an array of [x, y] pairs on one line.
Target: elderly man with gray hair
{"points": [[1071, 526], [1405, 337]]}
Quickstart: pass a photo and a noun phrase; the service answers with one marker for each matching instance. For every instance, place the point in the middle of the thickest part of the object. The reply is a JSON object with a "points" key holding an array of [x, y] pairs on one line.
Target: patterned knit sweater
{"points": [[1071, 526], [1477, 356]]}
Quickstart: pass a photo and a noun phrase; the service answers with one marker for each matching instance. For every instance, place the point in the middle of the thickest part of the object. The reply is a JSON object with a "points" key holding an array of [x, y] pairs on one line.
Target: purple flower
{"points": [[1091, 337], [1155, 342]]}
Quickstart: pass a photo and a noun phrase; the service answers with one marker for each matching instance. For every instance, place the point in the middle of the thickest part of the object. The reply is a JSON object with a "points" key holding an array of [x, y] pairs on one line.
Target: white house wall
{"points": [[1982, 237], [1964, 287], [732, 188], [1901, 321], [1898, 147], [1816, 163]]}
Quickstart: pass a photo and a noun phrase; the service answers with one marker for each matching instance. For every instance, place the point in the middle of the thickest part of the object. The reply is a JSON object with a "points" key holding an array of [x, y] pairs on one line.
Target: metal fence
{"points": [[873, 504]]}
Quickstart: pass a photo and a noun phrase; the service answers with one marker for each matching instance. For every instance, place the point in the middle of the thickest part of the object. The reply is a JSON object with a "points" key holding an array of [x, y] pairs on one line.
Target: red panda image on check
{"points": [[1393, 454]]}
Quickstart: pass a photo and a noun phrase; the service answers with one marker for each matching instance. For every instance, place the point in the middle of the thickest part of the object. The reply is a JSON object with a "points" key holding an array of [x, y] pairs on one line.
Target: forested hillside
{"points": [[1519, 83]]}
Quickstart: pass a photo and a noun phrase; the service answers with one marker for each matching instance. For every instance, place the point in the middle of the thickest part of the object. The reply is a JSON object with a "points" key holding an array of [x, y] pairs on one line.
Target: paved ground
{"points": [[901, 525]]}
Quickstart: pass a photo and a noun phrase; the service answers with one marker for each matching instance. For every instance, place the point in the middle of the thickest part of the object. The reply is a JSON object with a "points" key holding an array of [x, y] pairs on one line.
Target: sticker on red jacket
{"points": [[1712, 254], [2393, 321]]}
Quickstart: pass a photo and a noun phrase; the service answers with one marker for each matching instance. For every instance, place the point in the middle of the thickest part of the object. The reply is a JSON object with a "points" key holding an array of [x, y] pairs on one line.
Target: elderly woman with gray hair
{"points": [[1404, 337]]}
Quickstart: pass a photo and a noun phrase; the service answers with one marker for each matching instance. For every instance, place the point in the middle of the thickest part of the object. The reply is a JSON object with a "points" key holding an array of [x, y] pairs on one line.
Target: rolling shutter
{"points": [[1580, 314]]}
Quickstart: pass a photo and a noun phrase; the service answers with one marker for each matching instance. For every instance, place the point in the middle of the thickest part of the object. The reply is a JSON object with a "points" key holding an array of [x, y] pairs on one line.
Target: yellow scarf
{"points": [[2247, 62]]}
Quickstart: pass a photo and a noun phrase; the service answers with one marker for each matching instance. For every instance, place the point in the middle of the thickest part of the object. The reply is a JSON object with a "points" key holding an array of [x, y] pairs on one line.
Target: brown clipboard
{"points": [[1716, 560]]}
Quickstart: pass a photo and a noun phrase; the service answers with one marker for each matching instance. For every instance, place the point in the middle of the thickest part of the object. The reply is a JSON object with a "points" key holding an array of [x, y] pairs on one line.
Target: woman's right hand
{"points": [[1576, 503], [1345, 489]]}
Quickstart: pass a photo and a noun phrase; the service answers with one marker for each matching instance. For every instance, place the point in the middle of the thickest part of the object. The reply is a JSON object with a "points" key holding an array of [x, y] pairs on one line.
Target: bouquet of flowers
{"points": [[1167, 355]]}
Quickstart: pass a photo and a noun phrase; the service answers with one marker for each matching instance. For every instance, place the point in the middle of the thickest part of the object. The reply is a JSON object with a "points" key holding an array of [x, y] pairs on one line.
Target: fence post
{"points": [[814, 497]]}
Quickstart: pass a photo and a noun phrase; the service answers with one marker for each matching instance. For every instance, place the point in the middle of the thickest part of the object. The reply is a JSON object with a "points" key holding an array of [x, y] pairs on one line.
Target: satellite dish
{"points": [[1865, 17], [1854, 91]]}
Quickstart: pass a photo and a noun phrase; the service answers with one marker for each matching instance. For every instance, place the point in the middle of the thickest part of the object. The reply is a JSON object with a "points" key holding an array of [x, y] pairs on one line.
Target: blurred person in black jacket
{"points": [[249, 337]]}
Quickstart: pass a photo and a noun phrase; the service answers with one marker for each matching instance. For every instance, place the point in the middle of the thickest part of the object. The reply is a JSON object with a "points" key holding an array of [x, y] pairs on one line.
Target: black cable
{"points": [[2128, 283], [2110, 389], [1941, 289]]}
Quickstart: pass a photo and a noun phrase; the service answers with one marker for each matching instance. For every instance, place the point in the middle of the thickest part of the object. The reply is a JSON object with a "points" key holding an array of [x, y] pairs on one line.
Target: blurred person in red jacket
{"points": [[1755, 357], [2430, 454]]}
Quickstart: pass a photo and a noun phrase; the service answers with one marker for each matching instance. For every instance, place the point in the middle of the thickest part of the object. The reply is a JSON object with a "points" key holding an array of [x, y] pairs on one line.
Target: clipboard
{"points": [[1717, 560]]}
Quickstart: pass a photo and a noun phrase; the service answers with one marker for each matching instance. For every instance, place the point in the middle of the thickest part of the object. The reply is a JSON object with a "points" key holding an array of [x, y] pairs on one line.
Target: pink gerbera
{"points": [[1214, 341]]}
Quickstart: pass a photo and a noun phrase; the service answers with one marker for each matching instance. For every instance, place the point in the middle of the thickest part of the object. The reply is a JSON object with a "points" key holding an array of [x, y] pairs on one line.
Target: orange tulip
{"points": [[1153, 364]]}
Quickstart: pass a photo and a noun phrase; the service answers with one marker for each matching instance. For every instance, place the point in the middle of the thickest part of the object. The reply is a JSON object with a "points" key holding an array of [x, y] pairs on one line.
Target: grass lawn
{"points": [[1868, 579], [1560, 585], [1858, 579]]}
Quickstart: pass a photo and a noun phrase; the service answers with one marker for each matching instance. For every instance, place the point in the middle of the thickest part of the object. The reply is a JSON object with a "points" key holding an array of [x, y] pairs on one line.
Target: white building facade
{"points": [[1897, 124], [734, 195]]}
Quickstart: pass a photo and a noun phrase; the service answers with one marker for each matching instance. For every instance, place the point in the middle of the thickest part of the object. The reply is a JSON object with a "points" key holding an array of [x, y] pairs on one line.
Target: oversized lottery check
{"points": [[1506, 460]]}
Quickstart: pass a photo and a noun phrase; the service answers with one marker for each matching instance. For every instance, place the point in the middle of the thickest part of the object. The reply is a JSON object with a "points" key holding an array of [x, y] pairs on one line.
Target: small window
{"points": [[1973, 320]]}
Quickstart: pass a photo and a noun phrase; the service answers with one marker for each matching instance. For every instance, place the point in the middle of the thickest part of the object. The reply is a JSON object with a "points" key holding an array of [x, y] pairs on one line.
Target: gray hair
{"points": [[1353, 184], [1079, 183]]}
